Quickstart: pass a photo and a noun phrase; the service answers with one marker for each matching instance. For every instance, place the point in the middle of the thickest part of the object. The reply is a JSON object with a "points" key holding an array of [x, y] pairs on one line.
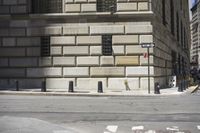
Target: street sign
{"points": [[147, 45]]}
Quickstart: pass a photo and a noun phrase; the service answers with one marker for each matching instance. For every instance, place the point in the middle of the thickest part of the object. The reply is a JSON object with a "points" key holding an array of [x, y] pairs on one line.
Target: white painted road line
{"points": [[150, 131], [138, 128], [173, 128], [61, 131], [198, 127], [111, 128]]}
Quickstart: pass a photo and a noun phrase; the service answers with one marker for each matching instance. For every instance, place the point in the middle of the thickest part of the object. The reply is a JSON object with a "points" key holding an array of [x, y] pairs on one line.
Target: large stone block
{"points": [[10, 2], [139, 71], [72, 8], [88, 7], [107, 29], [84, 84], [127, 6], [64, 61], [12, 72], [88, 61], [9, 52], [95, 50], [138, 29], [144, 84], [144, 61], [118, 50], [45, 61], [107, 71], [146, 38], [76, 71], [143, 6], [17, 32], [30, 83], [19, 23], [56, 50], [107, 60], [18, 9], [33, 51], [44, 72], [136, 49], [23, 62], [88, 40], [44, 31], [63, 40], [75, 30], [3, 62], [127, 60], [9, 41], [28, 41], [58, 83], [125, 39], [4, 9], [121, 83], [76, 50]]}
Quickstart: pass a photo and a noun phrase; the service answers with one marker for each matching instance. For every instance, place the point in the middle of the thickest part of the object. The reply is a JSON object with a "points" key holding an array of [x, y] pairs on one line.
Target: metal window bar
{"points": [[107, 45], [106, 5], [45, 46], [46, 6]]}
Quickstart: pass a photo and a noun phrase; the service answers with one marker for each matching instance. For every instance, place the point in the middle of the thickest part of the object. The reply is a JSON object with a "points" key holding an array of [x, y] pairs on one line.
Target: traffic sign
{"points": [[147, 45]]}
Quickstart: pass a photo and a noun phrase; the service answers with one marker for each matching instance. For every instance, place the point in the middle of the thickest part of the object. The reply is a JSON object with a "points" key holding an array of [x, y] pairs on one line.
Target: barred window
{"points": [[45, 46], [46, 6], [106, 5], [107, 45]]}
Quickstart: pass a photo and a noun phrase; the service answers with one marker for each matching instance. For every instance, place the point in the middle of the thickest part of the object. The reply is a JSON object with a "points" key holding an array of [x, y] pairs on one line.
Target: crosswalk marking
{"points": [[198, 127], [173, 128], [150, 131], [111, 128], [138, 128]]}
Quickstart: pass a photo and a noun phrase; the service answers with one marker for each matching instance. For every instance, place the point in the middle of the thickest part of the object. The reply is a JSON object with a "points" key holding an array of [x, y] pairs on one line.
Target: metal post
{"points": [[17, 85], [100, 87], [43, 89], [148, 72], [71, 86]]}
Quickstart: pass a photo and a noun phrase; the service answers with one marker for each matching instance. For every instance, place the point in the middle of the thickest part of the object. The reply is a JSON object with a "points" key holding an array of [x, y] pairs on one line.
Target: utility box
{"points": [[172, 81]]}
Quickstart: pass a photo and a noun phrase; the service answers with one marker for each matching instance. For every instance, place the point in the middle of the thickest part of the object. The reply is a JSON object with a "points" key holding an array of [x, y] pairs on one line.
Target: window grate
{"points": [[106, 5], [107, 45], [45, 46], [46, 6]]}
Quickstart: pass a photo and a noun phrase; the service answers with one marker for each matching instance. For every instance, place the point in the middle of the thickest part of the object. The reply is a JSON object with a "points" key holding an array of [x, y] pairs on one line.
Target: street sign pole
{"points": [[148, 46], [148, 71]]}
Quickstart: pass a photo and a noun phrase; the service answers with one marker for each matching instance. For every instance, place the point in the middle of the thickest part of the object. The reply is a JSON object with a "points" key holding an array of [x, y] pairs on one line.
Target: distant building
{"points": [[195, 34], [87, 41]]}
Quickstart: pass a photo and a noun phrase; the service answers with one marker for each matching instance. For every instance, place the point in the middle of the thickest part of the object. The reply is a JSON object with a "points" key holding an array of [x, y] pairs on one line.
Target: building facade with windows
{"points": [[87, 41], [195, 35]]}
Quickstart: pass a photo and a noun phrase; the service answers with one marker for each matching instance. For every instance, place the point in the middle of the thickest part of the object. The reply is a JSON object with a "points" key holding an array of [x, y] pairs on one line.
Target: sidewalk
{"points": [[165, 92]]}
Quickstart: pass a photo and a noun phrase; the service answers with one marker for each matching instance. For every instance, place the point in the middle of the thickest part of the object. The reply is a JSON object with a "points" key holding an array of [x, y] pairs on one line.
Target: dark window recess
{"points": [[46, 6], [163, 13], [106, 5], [107, 45], [45, 46], [177, 27], [172, 16]]}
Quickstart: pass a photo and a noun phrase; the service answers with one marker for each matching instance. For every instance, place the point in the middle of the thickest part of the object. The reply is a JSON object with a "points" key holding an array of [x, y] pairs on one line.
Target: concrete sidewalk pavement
{"points": [[51, 92]]}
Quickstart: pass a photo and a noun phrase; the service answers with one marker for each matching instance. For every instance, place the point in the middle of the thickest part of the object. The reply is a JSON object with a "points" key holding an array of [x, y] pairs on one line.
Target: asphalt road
{"points": [[138, 114]]}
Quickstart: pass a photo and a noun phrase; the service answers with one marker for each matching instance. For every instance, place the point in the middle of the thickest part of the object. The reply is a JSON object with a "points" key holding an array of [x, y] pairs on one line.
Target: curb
{"points": [[89, 94]]}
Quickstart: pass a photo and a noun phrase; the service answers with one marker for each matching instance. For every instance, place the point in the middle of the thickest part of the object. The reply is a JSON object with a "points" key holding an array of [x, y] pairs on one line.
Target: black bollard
{"points": [[17, 85], [43, 89], [180, 88], [157, 88], [100, 87], [71, 86]]}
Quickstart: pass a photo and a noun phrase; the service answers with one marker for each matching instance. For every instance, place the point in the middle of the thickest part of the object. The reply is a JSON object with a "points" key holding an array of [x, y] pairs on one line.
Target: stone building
{"points": [[87, 41], [195, 35]]}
